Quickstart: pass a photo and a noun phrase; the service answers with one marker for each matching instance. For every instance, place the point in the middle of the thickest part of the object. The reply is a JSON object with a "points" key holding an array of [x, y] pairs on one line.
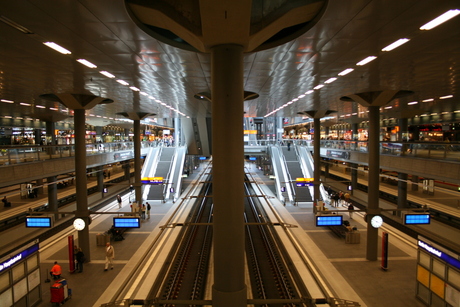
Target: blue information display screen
{"points": [[329, 220], [127, 222], [38, 222], [416, 219]]}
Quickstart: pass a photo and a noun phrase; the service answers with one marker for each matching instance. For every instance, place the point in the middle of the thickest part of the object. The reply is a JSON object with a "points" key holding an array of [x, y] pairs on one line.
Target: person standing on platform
{"points": [[350, 210], [148, 210], [143, 212], [289, 145], [80, 260], [109, 256], [119, 200], [56, 271], [336, 199]]}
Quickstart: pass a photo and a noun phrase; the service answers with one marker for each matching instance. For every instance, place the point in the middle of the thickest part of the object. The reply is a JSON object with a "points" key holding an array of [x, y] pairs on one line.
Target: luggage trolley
{"points": [[60, 292]]}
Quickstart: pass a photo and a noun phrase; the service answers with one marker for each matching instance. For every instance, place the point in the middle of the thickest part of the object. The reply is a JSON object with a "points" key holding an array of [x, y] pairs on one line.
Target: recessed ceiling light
{"points": [[54, 109], [346, 71], [412, 102], [301, 96], [107, 74], [122, 82], [86, 63], [309, 92], [389, 107], [428, 100], [57, 48], [143, 93], [366, 60], [134, 88], [7, 116], [330, 80], [440, 19], [318, 86], [7, 101], [24, 104], [445, 97], [40, 107], [396, 44]]}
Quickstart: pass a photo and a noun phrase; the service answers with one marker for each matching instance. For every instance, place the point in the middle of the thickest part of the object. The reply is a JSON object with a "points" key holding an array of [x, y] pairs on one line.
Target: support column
{"points": [[80, 103], [316, 159], [415, 181], [354, 177], [80, 179], [52, 196], [100, 179], [373, 181], [374, 100], [402, 192], [136, 117], [229, 288], [316, 115]]}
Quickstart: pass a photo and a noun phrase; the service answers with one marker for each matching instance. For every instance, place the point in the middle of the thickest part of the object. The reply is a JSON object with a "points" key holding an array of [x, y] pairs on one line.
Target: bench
{"points": [[116, 233], [340, 231]]}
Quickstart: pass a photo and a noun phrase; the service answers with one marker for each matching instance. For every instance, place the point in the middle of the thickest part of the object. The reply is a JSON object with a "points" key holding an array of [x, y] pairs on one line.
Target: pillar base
{"points": [[229, 299]]}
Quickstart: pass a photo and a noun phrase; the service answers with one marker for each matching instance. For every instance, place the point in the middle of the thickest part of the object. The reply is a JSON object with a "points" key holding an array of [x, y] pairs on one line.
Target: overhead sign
{"points": [[18, 257], [152, 180], [302, 182], [434, 250]]}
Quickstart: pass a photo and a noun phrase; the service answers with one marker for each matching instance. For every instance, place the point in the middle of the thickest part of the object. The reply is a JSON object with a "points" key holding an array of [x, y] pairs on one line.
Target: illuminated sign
{"points": [[455, 262], [329, 220], [252, 158], [250, 131], [127, 222], [152, 180], [18, 257], [302, 182], [416, 219], [203, 158], [38, 222]]}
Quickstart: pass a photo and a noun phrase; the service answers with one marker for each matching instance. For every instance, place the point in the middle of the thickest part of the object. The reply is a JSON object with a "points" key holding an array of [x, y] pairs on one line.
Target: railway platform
{"points": [[343, 265]]}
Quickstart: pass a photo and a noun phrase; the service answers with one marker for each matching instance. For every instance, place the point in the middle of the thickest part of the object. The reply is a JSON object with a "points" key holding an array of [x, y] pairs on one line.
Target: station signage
{"points": [[417, 219], [152, 180], [126, 222], [440, 253], [304, 182], [38, 222], [329, 220], [18, 257]]}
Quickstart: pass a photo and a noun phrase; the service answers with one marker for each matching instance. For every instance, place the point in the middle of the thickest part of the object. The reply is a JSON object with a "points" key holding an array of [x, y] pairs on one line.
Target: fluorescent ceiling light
{"points": [[19, 118], [445, 97], [330, 80], [318, 86], [134, 88], [86, 63], [366, 60], [25, 104], [412, 102], [122, 82], [107, 74], [54, 109], [57, 48], [309, 92], [396, 44], [143, 93], [346, 71], [40, 107], [301, 96], [428, 100], [295, 99], [389, 107], [440, 19], [7, 116], [7, 101], [434, 114]]}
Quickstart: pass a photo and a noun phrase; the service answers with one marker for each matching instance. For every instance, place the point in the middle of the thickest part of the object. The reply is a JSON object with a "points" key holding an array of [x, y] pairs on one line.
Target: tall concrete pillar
{"points": [[52, 196], [415, 181], [316, 115], [354, 177], [228, 171], [136, 117], [100, 179], [402, 192], [373, 101], [80, 103]]}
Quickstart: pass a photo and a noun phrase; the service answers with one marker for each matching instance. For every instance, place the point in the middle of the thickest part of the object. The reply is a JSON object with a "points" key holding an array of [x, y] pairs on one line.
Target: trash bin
{"points": [[352, 237], [102, 239]]}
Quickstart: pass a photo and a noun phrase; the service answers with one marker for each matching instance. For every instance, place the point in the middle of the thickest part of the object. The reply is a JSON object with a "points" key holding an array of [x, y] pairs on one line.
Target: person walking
{"points": [[80, 257], [148, 210], [119, 200], [56, 271], [109, 256], [350, 210]]}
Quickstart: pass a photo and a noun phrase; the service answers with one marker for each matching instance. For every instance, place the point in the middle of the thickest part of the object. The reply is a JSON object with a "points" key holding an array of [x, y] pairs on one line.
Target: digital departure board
{"points": [[38, 222], [329, 220], [127, 222], [417, 219]]}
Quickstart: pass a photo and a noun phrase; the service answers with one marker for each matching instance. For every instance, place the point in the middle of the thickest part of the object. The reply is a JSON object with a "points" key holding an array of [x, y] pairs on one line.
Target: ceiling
{"points": [[103, 33]]}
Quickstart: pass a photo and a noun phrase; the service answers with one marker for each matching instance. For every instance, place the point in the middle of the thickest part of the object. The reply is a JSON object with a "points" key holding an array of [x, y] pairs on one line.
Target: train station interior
{"points": [[230, 153]]}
